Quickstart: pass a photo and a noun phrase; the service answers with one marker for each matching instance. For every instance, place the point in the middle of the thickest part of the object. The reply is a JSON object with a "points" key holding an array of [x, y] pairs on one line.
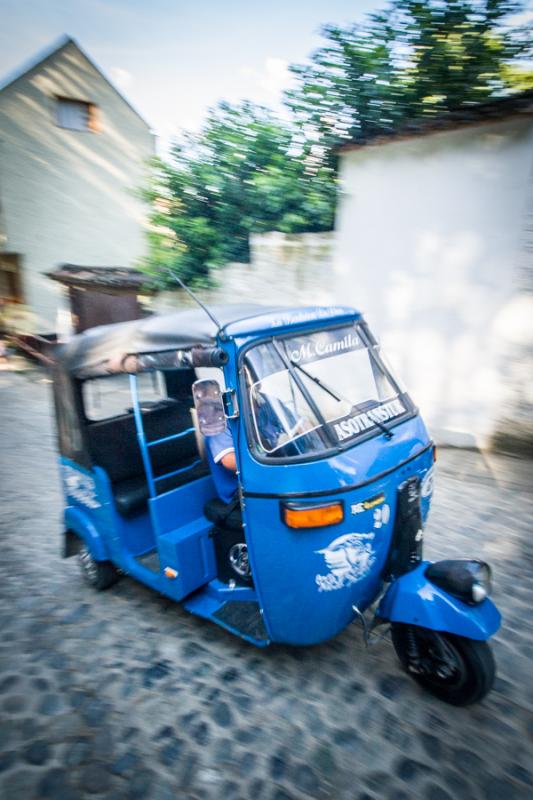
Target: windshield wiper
{"points": [[289, 365], [381, 425], [318, 382], [385, 428]]}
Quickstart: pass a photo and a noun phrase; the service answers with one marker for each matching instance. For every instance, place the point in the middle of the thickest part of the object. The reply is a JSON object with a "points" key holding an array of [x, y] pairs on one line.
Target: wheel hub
{"points": [[238, 558], [432, 657]]}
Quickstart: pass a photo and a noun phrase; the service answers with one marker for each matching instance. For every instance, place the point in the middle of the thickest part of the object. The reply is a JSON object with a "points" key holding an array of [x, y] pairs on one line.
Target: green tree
{"points": [[247, 172], [412, 60], [244, 172]]}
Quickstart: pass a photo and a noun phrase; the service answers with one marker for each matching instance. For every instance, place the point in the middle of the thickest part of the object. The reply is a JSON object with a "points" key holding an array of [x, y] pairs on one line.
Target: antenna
{"points": [[196, 299]]}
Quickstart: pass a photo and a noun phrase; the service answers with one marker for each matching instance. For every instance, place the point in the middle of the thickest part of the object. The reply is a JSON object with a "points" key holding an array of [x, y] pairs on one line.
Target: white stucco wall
{"points": [[68, 196], [285, 269], [434, 242]]}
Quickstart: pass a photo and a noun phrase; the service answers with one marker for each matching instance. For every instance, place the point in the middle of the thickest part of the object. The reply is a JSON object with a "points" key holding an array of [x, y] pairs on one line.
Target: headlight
{"points": [[469, 580]]}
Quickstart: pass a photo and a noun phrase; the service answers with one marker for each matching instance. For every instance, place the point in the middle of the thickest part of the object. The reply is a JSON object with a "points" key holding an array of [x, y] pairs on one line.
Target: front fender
{"points": [[414, 600], [79, 523]]}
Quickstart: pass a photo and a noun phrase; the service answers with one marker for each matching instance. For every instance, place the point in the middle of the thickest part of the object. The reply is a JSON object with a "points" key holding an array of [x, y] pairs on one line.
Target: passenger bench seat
{"points": [[115, 448]]}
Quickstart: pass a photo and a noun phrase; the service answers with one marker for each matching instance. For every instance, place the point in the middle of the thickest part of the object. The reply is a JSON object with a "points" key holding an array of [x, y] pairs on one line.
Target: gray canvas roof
{"points": [[100, 350]]}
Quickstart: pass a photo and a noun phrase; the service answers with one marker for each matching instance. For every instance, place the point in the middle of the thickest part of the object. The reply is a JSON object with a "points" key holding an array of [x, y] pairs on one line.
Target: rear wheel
{"points": [[457, 670], [99, 574]]}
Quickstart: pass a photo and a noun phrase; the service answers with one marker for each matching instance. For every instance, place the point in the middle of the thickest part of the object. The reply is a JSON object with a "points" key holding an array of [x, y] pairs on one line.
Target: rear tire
{"points": [[98, 574], [456, 670]]}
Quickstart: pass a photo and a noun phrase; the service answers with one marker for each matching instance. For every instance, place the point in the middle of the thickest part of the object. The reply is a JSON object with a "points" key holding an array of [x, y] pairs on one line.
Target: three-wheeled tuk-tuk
{"points": [[334, 474]]}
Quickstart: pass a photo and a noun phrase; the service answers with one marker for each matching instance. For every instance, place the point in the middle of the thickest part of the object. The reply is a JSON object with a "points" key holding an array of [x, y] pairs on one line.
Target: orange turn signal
{"points": [[170, 573], [434, 453], [301, 516]]}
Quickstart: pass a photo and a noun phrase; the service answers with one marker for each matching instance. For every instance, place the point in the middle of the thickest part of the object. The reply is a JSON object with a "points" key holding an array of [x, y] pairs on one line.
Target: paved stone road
{"points": [[124, 695]]}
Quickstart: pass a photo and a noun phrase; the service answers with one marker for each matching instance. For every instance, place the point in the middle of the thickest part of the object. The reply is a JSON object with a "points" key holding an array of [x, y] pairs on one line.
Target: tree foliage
{"points": [[248, 172], [410, 61], [242, 173]]}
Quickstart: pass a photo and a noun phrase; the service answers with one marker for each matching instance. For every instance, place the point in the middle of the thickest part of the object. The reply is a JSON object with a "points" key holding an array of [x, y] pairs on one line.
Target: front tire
{"points": [[231, 554], [98, 574], [456, 670]]}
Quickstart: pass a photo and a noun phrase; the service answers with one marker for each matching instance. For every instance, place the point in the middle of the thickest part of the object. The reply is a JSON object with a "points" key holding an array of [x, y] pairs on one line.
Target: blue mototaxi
{"points": [[335, 479]]}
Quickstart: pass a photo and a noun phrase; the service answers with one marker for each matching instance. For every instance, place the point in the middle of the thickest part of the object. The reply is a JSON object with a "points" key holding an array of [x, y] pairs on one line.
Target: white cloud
{"points": [[276, 77], [272, 79]]}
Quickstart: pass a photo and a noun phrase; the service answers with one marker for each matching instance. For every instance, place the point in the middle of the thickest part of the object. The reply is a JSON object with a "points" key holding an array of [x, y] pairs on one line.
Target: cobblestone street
{"points": [[123, 694]]}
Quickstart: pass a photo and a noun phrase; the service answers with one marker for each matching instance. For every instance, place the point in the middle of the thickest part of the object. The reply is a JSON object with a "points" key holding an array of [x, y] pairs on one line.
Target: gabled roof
{"points": [[50, 52], [519, 104]]}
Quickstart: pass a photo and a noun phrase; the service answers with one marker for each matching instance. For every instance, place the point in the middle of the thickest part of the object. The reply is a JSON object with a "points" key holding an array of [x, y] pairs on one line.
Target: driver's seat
{"points": [[219, 514]]}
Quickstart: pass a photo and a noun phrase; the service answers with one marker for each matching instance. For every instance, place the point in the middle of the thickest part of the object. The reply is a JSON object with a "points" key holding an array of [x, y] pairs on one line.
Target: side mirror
{"points": [[209, 407]]}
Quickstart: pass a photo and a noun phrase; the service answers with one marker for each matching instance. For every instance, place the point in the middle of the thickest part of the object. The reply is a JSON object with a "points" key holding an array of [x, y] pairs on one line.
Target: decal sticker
{"points": [[350, 426], [372, 502], [81, 487], [381, 516], [348, 558], [427, 483], [305, 316]]}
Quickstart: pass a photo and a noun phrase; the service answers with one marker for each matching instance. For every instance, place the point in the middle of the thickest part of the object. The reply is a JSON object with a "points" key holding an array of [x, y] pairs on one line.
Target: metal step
{"points": [[244, 617], [150, 560]]}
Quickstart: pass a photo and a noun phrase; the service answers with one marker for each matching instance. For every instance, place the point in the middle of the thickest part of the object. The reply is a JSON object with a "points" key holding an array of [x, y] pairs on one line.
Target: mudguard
{"points": [[414, 600], [79, 523]]}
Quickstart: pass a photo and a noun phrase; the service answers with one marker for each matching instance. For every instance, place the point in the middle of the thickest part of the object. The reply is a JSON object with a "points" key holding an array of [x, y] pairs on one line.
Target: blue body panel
{"points": [[87, 508], [182, 535], [414, 600], [77, 521], [303, 578], [173, 525], [308, 580]]}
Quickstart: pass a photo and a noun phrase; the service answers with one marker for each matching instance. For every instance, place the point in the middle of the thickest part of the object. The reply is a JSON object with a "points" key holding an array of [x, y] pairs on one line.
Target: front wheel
{"points": [[457, 670], [99, 574]]}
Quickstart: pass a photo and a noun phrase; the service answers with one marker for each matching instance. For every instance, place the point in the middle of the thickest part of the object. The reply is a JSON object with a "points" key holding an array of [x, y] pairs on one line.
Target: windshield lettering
{"points": [[311, 349], [311, 391], [351, 426]]}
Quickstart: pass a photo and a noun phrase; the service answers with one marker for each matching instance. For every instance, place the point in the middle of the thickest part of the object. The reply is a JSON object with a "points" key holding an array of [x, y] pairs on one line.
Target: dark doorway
{"points": [[91, 308]]}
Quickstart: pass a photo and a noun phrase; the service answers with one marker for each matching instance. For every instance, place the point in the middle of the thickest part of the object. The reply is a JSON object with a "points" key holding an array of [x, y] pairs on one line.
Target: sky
{"points": [[173, 59]]}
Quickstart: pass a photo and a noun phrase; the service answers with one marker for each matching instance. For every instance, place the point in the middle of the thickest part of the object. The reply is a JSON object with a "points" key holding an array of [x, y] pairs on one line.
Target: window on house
{"points": [[10, 282], [77, 115]]}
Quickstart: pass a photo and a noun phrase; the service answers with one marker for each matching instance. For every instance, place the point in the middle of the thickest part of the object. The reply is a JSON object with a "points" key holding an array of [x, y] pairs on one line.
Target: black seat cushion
{"points": [[115, 448], [216, 512], [131, 495], [114, 445]]}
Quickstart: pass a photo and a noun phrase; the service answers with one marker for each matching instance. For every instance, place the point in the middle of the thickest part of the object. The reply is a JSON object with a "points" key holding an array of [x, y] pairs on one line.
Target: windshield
{"points": [[311, 393]]}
